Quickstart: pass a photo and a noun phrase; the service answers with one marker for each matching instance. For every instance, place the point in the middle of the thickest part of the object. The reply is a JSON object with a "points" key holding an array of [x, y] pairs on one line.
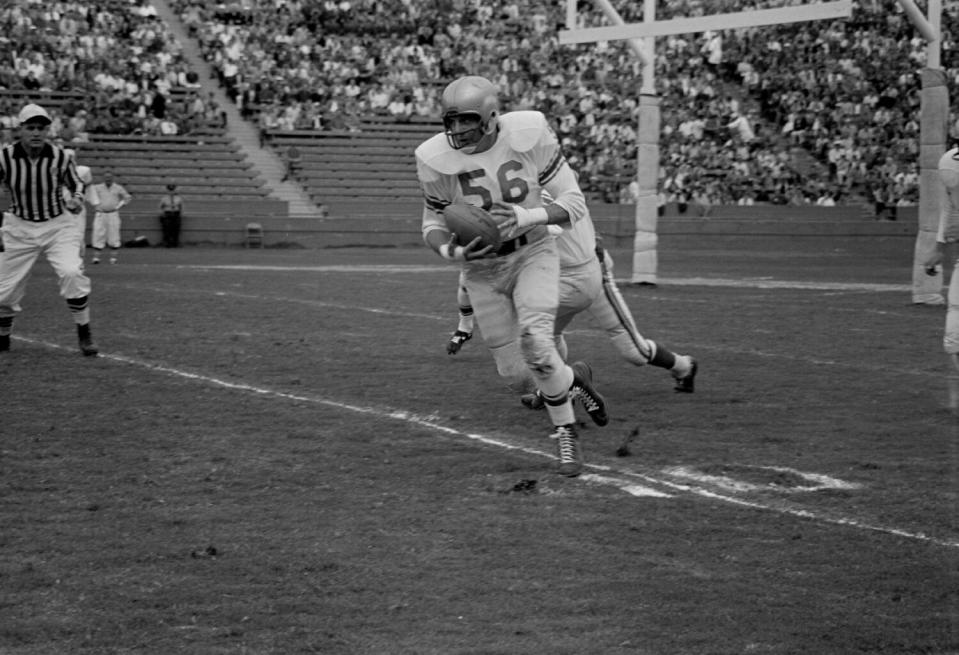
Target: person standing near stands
{"points": [[171, 214], [90, 195], [45, 193], [106, 221]]}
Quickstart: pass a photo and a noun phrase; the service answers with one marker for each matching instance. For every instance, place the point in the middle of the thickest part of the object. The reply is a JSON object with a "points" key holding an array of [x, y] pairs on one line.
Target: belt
{"points": [[511, 246]]}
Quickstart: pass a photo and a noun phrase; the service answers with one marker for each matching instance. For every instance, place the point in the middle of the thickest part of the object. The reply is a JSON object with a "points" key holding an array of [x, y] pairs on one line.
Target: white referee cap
{"points": [[33, 112]]}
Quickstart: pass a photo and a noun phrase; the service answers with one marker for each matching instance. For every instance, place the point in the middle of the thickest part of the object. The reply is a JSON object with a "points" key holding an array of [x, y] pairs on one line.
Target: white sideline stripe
{"points": [[817, 481], [746, 283], [629, 487], [765, 283], [607, 470]]}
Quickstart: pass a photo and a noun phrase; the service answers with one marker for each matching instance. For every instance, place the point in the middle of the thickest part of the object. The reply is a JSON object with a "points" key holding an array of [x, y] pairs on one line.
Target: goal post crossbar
{"points": [[821, 11]]}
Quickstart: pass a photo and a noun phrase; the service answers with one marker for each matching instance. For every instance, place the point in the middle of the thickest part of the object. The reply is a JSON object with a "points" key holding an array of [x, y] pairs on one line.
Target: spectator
{"points": [[171, 216], [294, 161]]}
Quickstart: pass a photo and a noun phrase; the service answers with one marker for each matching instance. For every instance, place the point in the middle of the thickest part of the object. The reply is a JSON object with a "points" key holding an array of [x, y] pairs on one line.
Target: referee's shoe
{"points": [[87, 347]]}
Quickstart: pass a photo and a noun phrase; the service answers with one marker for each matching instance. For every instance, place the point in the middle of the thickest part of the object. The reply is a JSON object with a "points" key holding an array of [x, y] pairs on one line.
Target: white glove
{"points": [[454, 254]]}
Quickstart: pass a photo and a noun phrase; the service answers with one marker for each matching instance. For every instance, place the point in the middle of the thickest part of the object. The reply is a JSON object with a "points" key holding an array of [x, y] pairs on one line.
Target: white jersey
{"points": [[89, 193], [949, 209], [525, 159], [576, 243]]}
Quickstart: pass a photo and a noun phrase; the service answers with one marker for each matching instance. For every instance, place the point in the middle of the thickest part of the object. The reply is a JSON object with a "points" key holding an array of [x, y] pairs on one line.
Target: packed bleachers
{"points": [[822, 112], [728, 135], [122, 95]]}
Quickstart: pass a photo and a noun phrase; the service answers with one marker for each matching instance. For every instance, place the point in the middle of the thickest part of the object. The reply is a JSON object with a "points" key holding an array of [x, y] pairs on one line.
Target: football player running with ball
{"points": [[502, 163]]}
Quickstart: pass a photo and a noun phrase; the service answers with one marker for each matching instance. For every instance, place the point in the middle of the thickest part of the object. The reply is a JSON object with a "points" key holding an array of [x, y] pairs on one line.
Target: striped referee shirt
{"points": [[36, 186]]}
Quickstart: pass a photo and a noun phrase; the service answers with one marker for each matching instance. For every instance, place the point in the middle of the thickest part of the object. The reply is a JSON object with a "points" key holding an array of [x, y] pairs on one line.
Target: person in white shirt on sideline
{"points": [[106, 220]]}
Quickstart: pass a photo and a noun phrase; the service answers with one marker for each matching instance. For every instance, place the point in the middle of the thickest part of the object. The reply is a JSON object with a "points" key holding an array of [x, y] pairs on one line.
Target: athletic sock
{"points": [[80, 309], [466, 320], [662, 357], [560, 410], [682, 367]]}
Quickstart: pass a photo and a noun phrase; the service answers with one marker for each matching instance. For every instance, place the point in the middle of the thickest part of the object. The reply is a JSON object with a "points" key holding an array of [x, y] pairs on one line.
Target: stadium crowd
{"points": [[119, 65], [822, 112]]}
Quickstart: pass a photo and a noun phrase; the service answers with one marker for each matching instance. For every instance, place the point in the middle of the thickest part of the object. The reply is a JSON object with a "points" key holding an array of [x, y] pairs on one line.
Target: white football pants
{"points": [[23, 242]]}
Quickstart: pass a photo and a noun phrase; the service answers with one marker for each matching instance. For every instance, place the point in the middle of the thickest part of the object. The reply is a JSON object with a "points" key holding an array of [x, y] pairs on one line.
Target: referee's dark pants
{"points": [[170, 225]]}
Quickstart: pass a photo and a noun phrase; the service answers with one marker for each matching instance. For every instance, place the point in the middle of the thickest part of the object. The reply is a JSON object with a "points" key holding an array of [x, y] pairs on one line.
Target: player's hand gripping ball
{"points": [[468, 222]]}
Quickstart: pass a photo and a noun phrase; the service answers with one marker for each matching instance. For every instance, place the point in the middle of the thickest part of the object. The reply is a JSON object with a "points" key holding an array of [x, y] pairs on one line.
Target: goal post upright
{"points": [[933, 134], [648, 133]]}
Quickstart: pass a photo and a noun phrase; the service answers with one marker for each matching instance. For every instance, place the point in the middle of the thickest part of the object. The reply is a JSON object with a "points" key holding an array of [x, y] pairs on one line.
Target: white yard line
{"points": [[633, 482]]}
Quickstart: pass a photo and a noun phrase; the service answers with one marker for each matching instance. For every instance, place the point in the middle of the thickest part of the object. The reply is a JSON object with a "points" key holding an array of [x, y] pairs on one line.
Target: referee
{"points": [[44, 188]]}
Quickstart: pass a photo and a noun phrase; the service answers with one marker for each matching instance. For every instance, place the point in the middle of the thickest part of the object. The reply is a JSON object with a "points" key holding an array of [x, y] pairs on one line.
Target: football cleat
{"points": [[568, 450], [456, 341], [533, 400], [687, 383], [583, 389], [87, 347]]}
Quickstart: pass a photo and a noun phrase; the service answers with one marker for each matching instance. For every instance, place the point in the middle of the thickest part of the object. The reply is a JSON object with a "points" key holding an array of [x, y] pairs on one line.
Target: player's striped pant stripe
{"points": [[625, 318]]}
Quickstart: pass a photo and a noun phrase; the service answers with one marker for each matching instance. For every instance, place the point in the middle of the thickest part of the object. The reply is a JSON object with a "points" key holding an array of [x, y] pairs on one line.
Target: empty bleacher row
{"points": [[208, 167], [375, 162], [205, 165]]}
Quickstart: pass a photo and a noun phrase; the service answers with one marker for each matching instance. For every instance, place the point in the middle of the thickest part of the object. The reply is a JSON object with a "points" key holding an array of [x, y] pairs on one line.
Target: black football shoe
{"points": [[87, 347], [456, 341], [583, 389]]}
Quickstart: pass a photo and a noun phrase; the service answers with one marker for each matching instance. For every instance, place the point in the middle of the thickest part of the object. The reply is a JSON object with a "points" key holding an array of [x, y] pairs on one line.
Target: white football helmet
{"points": [[470, 111]]}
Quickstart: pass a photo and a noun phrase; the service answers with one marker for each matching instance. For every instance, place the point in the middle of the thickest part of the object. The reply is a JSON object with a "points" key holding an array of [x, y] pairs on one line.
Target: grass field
{"points": [[274, 455]]}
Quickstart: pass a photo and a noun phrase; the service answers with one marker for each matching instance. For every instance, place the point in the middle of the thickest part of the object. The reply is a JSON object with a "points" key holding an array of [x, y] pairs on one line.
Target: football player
{"points": [[587, 284], [946, 239], [501, 163]]}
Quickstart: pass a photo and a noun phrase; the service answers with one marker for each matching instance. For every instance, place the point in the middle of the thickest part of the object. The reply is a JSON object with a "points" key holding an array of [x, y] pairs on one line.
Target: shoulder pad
{"points": [[524, 129], [435, 154]]}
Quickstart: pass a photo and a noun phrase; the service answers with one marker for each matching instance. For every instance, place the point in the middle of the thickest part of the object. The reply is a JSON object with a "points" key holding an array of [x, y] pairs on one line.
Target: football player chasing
{"points": [[587, 284], [502, 163]]}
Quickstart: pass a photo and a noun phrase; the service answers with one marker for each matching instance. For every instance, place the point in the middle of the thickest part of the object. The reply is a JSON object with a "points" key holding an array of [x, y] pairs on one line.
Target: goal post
{"points": [[645, 242], [755, 18], [933, 135]]}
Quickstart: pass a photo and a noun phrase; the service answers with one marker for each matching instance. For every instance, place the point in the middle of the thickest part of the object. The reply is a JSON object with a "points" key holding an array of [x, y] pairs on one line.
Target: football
{"points": [[468, 222]]}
